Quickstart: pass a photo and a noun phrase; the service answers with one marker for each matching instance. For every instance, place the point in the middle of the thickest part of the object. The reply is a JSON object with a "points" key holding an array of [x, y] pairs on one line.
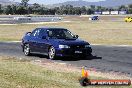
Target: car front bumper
{"points": [[73, 52]]}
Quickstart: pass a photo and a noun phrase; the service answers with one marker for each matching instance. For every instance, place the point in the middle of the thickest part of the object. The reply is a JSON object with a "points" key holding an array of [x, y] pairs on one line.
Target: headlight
{"points": [[64, 46], [87, 46]]}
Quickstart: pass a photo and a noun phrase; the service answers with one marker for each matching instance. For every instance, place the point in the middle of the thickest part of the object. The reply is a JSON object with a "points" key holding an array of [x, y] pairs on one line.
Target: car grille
{"points": [[77, 46]]}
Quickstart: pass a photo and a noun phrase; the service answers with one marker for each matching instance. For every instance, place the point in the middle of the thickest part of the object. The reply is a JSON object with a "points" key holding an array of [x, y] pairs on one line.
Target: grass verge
{"points": [[16, 73]]}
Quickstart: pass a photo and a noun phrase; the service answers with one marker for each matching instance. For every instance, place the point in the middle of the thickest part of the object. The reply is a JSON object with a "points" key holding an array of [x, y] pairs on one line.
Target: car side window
{"points": [[35, 33], [42, 32]]}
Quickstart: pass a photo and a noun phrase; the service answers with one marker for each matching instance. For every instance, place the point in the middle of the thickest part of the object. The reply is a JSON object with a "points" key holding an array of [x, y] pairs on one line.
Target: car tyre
{"points": [[27, 50], [51, 53]]}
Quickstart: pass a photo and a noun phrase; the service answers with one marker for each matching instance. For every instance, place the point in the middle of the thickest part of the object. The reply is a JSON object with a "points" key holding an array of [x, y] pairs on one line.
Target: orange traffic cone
{"points": [[84, 72], [84, 81]]}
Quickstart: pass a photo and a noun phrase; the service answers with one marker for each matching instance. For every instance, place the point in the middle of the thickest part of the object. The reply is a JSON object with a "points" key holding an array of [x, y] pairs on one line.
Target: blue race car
{"points": [[54, 42], [94, 18]]}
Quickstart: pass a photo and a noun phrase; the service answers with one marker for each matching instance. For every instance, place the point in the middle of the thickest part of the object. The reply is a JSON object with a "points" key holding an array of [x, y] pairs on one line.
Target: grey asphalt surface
{"points": [[105, 58]]}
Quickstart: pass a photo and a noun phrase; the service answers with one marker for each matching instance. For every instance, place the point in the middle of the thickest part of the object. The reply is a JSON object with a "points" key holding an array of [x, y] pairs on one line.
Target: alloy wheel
{"points": [[51, 54], [26, 50]]}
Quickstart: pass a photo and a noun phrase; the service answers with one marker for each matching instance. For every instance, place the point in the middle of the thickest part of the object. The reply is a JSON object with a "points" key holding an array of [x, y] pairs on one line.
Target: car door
{"points": [[43, 42], [34, 41]]}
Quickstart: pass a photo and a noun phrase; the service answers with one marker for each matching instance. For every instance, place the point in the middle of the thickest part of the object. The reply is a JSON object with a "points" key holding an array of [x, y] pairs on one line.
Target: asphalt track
{"points": [[105, 58]]}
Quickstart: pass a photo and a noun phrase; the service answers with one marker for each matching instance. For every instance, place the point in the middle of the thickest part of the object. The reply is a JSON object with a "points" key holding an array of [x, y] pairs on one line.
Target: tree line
{"points": [[24, 8]]}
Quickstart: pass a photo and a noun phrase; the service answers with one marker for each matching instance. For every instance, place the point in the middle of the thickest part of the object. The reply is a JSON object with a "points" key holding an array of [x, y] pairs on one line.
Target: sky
{"points": [[52, 1]]}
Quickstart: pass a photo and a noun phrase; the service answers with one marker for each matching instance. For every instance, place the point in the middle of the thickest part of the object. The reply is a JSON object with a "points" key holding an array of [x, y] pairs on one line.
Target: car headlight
{"points": [[64, 46], [87, 46]]}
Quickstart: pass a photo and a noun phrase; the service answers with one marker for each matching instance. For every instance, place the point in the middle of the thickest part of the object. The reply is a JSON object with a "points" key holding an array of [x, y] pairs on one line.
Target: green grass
{"points": [[15, 74], [23, 74]]}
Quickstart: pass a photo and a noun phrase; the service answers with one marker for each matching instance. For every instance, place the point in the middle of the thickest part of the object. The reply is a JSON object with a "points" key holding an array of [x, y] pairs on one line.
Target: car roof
{"points": [[95, 16], [46, 28]]}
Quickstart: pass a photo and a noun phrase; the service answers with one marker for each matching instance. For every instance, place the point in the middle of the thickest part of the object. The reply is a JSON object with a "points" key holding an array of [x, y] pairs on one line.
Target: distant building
{"points": [[114, 12], [105, 12], [97, 12], [122, 12], [110, 12]]}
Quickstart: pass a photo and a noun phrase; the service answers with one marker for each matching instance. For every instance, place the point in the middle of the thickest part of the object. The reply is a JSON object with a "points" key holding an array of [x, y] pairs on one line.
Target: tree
{"points": [[8, 10], [130, 9], [57, 10], [30, 10], [69, 8], [122, 8], [92, 7], [110, 9], [83, 10], [24, 8], [14, 9], [130, 6], [99, 8], [24, 3], [77, 11], [90, 11], [21, 10], [51, 12], [36, 8], [1, 11]]}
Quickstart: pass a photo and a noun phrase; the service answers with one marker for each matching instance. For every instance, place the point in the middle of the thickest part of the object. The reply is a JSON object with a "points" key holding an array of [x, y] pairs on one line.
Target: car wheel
{"points": [[51, 53], [26, 50]]}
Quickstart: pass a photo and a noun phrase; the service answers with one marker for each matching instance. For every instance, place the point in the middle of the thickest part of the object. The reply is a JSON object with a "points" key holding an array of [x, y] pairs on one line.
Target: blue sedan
{"points": [[54, 42], [94, 18]]}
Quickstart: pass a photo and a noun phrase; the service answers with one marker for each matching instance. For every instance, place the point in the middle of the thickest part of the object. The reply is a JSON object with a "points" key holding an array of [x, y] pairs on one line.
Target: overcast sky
{"points": [[52, 1]]}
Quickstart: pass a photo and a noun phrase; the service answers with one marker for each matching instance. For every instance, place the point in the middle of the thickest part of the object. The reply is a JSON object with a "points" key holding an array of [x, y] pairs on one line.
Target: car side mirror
{"points": [[28, 33]]}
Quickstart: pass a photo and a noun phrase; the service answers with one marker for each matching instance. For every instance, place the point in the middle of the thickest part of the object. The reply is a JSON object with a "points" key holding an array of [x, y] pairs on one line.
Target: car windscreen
{"points": [[60, 34]]}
